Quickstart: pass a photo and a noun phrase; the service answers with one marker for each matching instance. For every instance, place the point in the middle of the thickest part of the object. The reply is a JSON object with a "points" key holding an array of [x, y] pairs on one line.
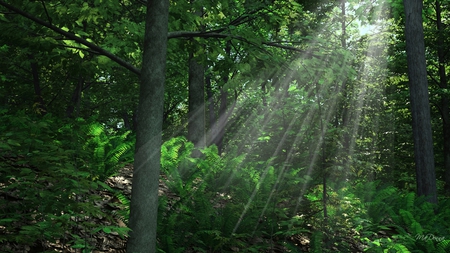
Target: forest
{"points": [[224, 126]]}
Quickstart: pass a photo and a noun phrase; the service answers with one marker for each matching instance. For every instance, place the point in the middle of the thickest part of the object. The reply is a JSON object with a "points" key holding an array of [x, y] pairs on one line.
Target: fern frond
{"points": [[407, 217], [444, 246], [95, 129], [410, 197], [416, 227], [317, 241], [400, 248]]}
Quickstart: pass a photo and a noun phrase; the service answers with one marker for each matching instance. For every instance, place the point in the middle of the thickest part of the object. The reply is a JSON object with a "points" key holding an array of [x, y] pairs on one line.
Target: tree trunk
{"points": [[144, 195], [76, 97], [39, 105], [346, 112], [444, 103], [196, 123], [420, 107], [211, 111], [223, 115], [222, 120]]}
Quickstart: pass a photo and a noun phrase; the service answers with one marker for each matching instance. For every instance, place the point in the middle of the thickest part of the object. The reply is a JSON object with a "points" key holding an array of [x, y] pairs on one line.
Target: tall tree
{"points": [[420, 106], [144, 205], [196, 122], [196, 114], [444, 106]]}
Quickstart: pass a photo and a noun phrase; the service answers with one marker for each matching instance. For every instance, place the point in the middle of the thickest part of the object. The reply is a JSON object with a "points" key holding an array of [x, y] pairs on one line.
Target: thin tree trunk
{"points": [[444, 104], [39, 106], [420, 106], [211, 111], [76, 97], [144, 195], [346, 113], [222, 120], [263, 91]]}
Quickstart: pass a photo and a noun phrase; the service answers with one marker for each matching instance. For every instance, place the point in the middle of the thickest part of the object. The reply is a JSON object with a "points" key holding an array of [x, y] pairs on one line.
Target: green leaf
{"points": [[7, 220], [4, 145], [107, 230], [13, 143]]}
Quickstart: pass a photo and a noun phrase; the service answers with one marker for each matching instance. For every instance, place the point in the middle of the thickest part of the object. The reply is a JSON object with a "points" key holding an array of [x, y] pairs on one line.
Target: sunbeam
{"points": [[224, 126], [317, 92]]}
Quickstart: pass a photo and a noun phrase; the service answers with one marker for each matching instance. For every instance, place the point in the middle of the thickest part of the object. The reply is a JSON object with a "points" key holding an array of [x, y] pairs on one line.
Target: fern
{"points": [[317, 242], [411, 220], [408, 218], [53, 180], [444, 246], [400, 248], [109, 152], [409, 198]]}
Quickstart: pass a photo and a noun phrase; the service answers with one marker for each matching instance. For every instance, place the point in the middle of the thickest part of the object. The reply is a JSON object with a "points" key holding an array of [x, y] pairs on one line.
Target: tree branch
{"points": [[171, 35], [189, 34], [72, 36]]}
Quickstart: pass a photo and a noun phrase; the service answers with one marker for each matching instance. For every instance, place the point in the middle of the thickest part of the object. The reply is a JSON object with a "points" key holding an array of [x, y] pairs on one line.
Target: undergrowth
{"points": [[48, 173], [228, 204]]}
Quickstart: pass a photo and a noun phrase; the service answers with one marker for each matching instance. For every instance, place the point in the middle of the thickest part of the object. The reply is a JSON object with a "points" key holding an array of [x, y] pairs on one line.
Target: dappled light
{"points": [[224, 126]]}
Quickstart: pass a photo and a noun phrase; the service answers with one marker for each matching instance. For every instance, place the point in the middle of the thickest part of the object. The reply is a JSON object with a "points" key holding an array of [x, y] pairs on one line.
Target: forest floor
{"points": [[104, 242], [113, 242]]}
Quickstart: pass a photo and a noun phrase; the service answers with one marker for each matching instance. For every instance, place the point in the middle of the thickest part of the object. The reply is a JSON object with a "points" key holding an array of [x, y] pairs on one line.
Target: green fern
{"points": [[444, 246], [410, 197], [408, 218], [109, 152], [400, 248], [317, 242], [55, 185]]}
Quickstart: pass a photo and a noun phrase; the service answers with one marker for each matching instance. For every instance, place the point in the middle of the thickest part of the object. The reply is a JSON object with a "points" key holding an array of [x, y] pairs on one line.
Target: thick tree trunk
{"points": [[144, 195], [196, 123], [420, 107], [446, 148], [444, 104]]}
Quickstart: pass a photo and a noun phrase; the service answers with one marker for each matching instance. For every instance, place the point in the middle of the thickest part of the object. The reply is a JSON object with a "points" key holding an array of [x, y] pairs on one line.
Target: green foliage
{"points": [[402, 221], [46, 187], [268, 185], [208, 212], [111, 151]]}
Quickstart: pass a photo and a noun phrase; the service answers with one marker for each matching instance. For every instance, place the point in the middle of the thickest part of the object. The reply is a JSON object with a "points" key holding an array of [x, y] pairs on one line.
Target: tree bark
{"points": [[196, 114], [223, 115], [222, 120], [346, 112], [211, 111], [420, 107], [75, 100], [39, 101], [444, 103], [144, 195], [196, 122]]}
